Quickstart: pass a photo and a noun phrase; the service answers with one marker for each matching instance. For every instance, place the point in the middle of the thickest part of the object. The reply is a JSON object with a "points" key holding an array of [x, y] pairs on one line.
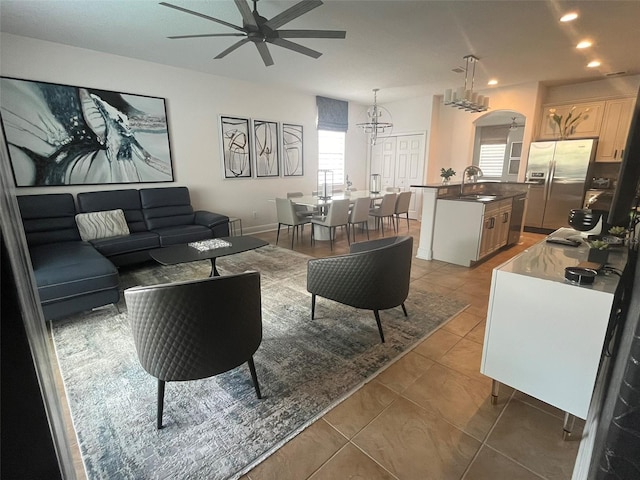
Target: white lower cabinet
{"points": [[466, 231], [544, 336]]}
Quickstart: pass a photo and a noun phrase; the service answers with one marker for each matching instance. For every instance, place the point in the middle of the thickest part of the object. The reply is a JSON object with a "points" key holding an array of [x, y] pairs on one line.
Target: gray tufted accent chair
{"points": [[196, 329], [375, 276]]}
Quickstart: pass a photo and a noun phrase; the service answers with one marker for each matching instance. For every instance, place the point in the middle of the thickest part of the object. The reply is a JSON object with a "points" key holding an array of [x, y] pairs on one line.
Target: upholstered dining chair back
{"points": [[360, 215], [388, 205], [338, 213], [375, 275], [196, 329], [402, 206]]}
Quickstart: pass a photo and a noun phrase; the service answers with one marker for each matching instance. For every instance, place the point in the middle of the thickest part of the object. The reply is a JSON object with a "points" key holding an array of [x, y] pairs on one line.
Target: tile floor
{"points": [[428, 416]]}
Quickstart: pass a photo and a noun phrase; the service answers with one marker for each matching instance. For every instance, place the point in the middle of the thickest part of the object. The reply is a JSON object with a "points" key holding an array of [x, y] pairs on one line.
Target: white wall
{"points": [[194, 102], [454, 129]]}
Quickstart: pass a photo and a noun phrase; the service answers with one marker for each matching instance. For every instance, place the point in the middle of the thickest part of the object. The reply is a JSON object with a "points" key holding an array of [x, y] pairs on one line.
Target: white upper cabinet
{"points": [[588, 125], [615, 129]]}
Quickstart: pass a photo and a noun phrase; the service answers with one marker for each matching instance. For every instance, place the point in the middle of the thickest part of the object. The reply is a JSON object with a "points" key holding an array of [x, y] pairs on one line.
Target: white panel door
{"points": [[410, 168], [400, 162]]}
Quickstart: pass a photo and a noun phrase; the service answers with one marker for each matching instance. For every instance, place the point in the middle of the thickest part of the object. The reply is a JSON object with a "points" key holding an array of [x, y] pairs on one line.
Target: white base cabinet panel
{"points": [[545, 338], [544, 335]]}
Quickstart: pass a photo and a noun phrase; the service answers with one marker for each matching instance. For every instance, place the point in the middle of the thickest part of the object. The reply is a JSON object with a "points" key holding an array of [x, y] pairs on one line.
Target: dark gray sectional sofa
{"points": [[73, 275]]}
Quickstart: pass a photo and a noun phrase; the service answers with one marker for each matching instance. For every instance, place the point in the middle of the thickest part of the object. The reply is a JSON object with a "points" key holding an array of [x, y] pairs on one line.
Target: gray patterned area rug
{"points": [[216, 428]]}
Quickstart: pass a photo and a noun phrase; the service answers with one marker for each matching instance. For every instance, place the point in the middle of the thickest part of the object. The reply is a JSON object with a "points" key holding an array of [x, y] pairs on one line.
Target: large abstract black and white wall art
{"points": [[236, 147], [292, 164], [68, 135], [266, 148]]}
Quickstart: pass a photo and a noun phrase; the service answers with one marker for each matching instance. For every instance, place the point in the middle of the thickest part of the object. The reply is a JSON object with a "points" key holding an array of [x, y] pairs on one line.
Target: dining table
{"points": [[323, 204]]}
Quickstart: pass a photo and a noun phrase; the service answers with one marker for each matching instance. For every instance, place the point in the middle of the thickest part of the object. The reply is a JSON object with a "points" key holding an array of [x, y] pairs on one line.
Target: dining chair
{"points": [[359, 215], [301, 209], [402, 206], [337, 216], [287, 215], [386, 209]]}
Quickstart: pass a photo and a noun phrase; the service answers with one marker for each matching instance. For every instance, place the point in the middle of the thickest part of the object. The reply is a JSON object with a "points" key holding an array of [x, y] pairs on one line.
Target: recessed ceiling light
{"points": [[593, 64], [569, 17], [584, 44], [493, 81]]}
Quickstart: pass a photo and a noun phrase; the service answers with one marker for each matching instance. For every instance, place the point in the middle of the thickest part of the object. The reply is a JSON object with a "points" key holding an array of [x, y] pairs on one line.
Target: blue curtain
{"points": [[332, 114]]}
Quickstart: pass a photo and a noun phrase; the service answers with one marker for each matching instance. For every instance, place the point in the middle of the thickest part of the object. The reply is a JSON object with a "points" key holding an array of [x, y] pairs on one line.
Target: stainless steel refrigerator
{"points": [[557, 172]]}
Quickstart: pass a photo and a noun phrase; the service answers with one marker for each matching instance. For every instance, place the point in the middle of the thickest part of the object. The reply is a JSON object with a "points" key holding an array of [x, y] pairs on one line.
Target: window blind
{"points": [[332, 114]]}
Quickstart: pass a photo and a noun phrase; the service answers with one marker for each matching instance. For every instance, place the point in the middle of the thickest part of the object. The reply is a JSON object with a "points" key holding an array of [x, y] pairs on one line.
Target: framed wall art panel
{"points": [[292, 145], [236, 147], [266, 141], [69, 135]]}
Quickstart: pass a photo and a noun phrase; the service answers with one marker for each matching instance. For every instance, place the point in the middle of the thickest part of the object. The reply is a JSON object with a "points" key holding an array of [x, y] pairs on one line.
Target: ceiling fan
{"points": [[257, 29]]}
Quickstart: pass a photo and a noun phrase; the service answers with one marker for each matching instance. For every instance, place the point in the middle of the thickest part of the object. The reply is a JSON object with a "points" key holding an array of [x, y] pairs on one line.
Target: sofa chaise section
{"points": [[70, 274]]}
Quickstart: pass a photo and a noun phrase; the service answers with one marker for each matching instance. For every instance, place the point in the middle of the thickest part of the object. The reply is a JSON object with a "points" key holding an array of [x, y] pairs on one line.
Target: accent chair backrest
{"points": [[127, 200], [48, 218], [166, 207]]}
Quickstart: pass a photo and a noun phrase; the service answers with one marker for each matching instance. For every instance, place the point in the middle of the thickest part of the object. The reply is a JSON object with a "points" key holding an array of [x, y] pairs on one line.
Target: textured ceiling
{"points": [[405, 48]]}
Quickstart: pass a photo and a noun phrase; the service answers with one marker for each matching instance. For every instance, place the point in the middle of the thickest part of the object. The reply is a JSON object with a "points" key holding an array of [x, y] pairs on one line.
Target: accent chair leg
{"points": [[365, 225], [313, 306], [254, 376], [377, 314], [407, 221], [331, 233], [293, 237], [278, 235], [404, 309], [161, 384]]}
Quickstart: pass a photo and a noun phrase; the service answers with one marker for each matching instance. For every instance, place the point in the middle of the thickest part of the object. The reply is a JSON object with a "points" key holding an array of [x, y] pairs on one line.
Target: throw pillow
{"points": [[105, 224]]}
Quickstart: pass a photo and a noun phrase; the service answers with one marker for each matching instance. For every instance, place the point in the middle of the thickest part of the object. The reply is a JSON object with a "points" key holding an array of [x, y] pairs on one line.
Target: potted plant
{"points": [[619, 232], [446, 174], [598, 251]]}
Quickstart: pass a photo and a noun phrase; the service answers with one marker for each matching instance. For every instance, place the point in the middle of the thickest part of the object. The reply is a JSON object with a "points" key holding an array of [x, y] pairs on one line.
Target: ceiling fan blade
{"points": [[245, 11], [202, 15], [264, 53], [238, 44], [311, 33], [294, 46], [292, 13], [204, 35]]}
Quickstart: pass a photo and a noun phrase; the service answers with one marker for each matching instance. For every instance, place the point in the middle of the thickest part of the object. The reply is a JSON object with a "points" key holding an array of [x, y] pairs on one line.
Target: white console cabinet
{"points": [[545, 336]]}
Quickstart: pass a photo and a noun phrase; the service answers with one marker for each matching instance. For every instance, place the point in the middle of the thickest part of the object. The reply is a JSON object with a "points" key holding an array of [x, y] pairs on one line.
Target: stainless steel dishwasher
{"points": [[517, 217]]}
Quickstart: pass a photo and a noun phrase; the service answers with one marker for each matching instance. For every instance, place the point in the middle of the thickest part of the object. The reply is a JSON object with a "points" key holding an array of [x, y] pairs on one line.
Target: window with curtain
{"points": [[331, 153], [333, 121]]}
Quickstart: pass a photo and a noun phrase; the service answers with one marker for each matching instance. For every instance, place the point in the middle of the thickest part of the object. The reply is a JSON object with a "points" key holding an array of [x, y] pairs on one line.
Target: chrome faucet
{"points": [[472, 171]]}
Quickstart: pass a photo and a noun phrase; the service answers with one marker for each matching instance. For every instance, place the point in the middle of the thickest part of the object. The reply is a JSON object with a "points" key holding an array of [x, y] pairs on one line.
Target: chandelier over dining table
{"points": [[375, 124], [464, 97]]}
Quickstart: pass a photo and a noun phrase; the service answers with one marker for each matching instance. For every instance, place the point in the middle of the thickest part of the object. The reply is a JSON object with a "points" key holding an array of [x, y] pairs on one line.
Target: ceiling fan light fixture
{"points": [[375, 125], [260, 31], [465, 98]]}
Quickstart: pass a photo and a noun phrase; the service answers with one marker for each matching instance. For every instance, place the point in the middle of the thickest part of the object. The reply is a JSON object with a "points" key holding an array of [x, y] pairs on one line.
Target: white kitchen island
{"points": [[544, 335]]}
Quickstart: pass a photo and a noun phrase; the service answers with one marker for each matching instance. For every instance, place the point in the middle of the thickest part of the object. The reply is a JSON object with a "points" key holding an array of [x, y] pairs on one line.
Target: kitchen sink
{"points": [[479, 197]]}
